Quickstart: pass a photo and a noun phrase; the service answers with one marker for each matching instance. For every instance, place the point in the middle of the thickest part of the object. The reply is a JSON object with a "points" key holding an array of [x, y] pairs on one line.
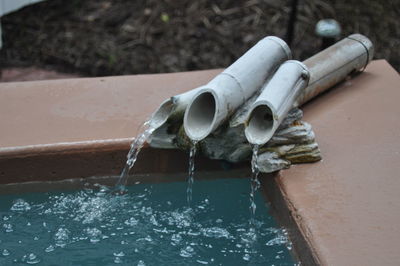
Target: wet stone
{"points": [[294, 142]]}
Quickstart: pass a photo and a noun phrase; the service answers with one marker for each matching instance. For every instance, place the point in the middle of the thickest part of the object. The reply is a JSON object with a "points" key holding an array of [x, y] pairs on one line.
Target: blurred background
{"points": [[116, 37]]}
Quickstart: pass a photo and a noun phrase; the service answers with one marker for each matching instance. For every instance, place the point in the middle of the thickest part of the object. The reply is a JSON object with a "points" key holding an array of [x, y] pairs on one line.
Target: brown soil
{"points": [[99, 37]]}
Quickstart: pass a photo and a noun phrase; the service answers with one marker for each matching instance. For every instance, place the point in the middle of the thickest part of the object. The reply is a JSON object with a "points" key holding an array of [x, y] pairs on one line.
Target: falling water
{"points": [[189, 190], [251, 235], [255, 183], [145, 132]]}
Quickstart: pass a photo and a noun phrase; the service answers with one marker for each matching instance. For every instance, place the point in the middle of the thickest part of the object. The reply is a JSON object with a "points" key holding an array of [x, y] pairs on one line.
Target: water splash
{"points": [[189, 190], [20, 206], [255, 184], [148, 220], [30, 259], [93, 234], [50, 248], [5, 252], [187, 252], [141, 263], [137, 144], [61, 237]]}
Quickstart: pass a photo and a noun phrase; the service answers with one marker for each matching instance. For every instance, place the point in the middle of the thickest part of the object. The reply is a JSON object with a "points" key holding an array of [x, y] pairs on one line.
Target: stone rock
{"points": [[293, 142], [269, 162]]}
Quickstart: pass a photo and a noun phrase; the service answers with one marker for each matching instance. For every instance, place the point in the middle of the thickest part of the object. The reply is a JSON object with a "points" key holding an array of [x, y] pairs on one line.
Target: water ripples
{"points": [[146, 226]]}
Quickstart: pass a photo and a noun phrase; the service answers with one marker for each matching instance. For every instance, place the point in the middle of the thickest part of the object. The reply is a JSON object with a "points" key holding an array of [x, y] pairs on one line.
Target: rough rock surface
{"points": [[293, 142]]}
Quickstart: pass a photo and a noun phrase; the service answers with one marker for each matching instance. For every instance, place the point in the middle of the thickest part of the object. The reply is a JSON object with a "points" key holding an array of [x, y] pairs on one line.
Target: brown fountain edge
{"points": [[103, 159], [286, 215], [341, 211]]}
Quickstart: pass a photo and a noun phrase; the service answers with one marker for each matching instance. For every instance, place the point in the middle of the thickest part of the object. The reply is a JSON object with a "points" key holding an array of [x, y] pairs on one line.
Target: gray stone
{"points": [[293, 142]]}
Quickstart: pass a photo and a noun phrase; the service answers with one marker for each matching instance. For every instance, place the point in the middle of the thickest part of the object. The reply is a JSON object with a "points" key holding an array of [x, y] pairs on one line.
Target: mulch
{"points": [[115, 37]]}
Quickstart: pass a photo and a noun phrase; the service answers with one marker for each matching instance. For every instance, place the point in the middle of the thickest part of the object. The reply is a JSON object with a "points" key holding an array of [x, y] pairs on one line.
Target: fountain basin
{"points": [[341, 211]]}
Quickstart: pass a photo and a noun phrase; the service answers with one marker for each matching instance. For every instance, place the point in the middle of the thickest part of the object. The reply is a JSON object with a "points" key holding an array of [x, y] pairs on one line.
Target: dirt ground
{"points": [[114, 37]]}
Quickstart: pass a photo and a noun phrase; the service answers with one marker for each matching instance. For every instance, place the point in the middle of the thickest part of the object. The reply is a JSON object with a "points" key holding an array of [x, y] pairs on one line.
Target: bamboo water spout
{"points": [[294, 140], [275, 101], [249, 71], [215, 102], [335, 63], [166, 118], [281, 93]]}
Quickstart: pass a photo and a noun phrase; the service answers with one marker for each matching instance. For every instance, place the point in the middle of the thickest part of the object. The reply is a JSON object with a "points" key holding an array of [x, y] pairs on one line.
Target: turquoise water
{"points": [[150, 225]]}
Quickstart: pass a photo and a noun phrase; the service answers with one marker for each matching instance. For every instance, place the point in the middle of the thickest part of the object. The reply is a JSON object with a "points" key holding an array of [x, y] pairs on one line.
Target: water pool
{"points": [[150, 225]]}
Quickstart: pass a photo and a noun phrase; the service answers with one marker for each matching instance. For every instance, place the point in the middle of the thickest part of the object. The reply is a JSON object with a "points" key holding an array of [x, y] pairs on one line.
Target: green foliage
{"points": [[164, 17]]}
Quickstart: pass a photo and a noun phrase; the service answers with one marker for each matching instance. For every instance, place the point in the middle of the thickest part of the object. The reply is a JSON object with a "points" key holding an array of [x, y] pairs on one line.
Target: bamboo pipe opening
{"points": [[161, 115], [260, 124], [200, 116]]}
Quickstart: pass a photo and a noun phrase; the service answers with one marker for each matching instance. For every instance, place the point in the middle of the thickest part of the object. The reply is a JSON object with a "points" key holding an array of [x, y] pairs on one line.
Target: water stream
{"points": [[137, 144], [249, 238], [189, 190], [255, 183]]}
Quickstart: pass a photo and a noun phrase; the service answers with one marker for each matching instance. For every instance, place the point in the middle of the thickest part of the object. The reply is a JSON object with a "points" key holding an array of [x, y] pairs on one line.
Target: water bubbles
{"points": [[246, 257], [147, 211], [153, 220], [176, 239], [131, 221], [193, 233], [103, 190], [119, 254], [117, 260], [90, 226], [161, 231], [49, 249], [20, 205], [30, 259], [92, 210], [8, 228], [118, 257], [180, 219], [61, 237], [216, 232], [94, 234], [5, 252], [85, 206], [187, 252], [280, 239]]}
